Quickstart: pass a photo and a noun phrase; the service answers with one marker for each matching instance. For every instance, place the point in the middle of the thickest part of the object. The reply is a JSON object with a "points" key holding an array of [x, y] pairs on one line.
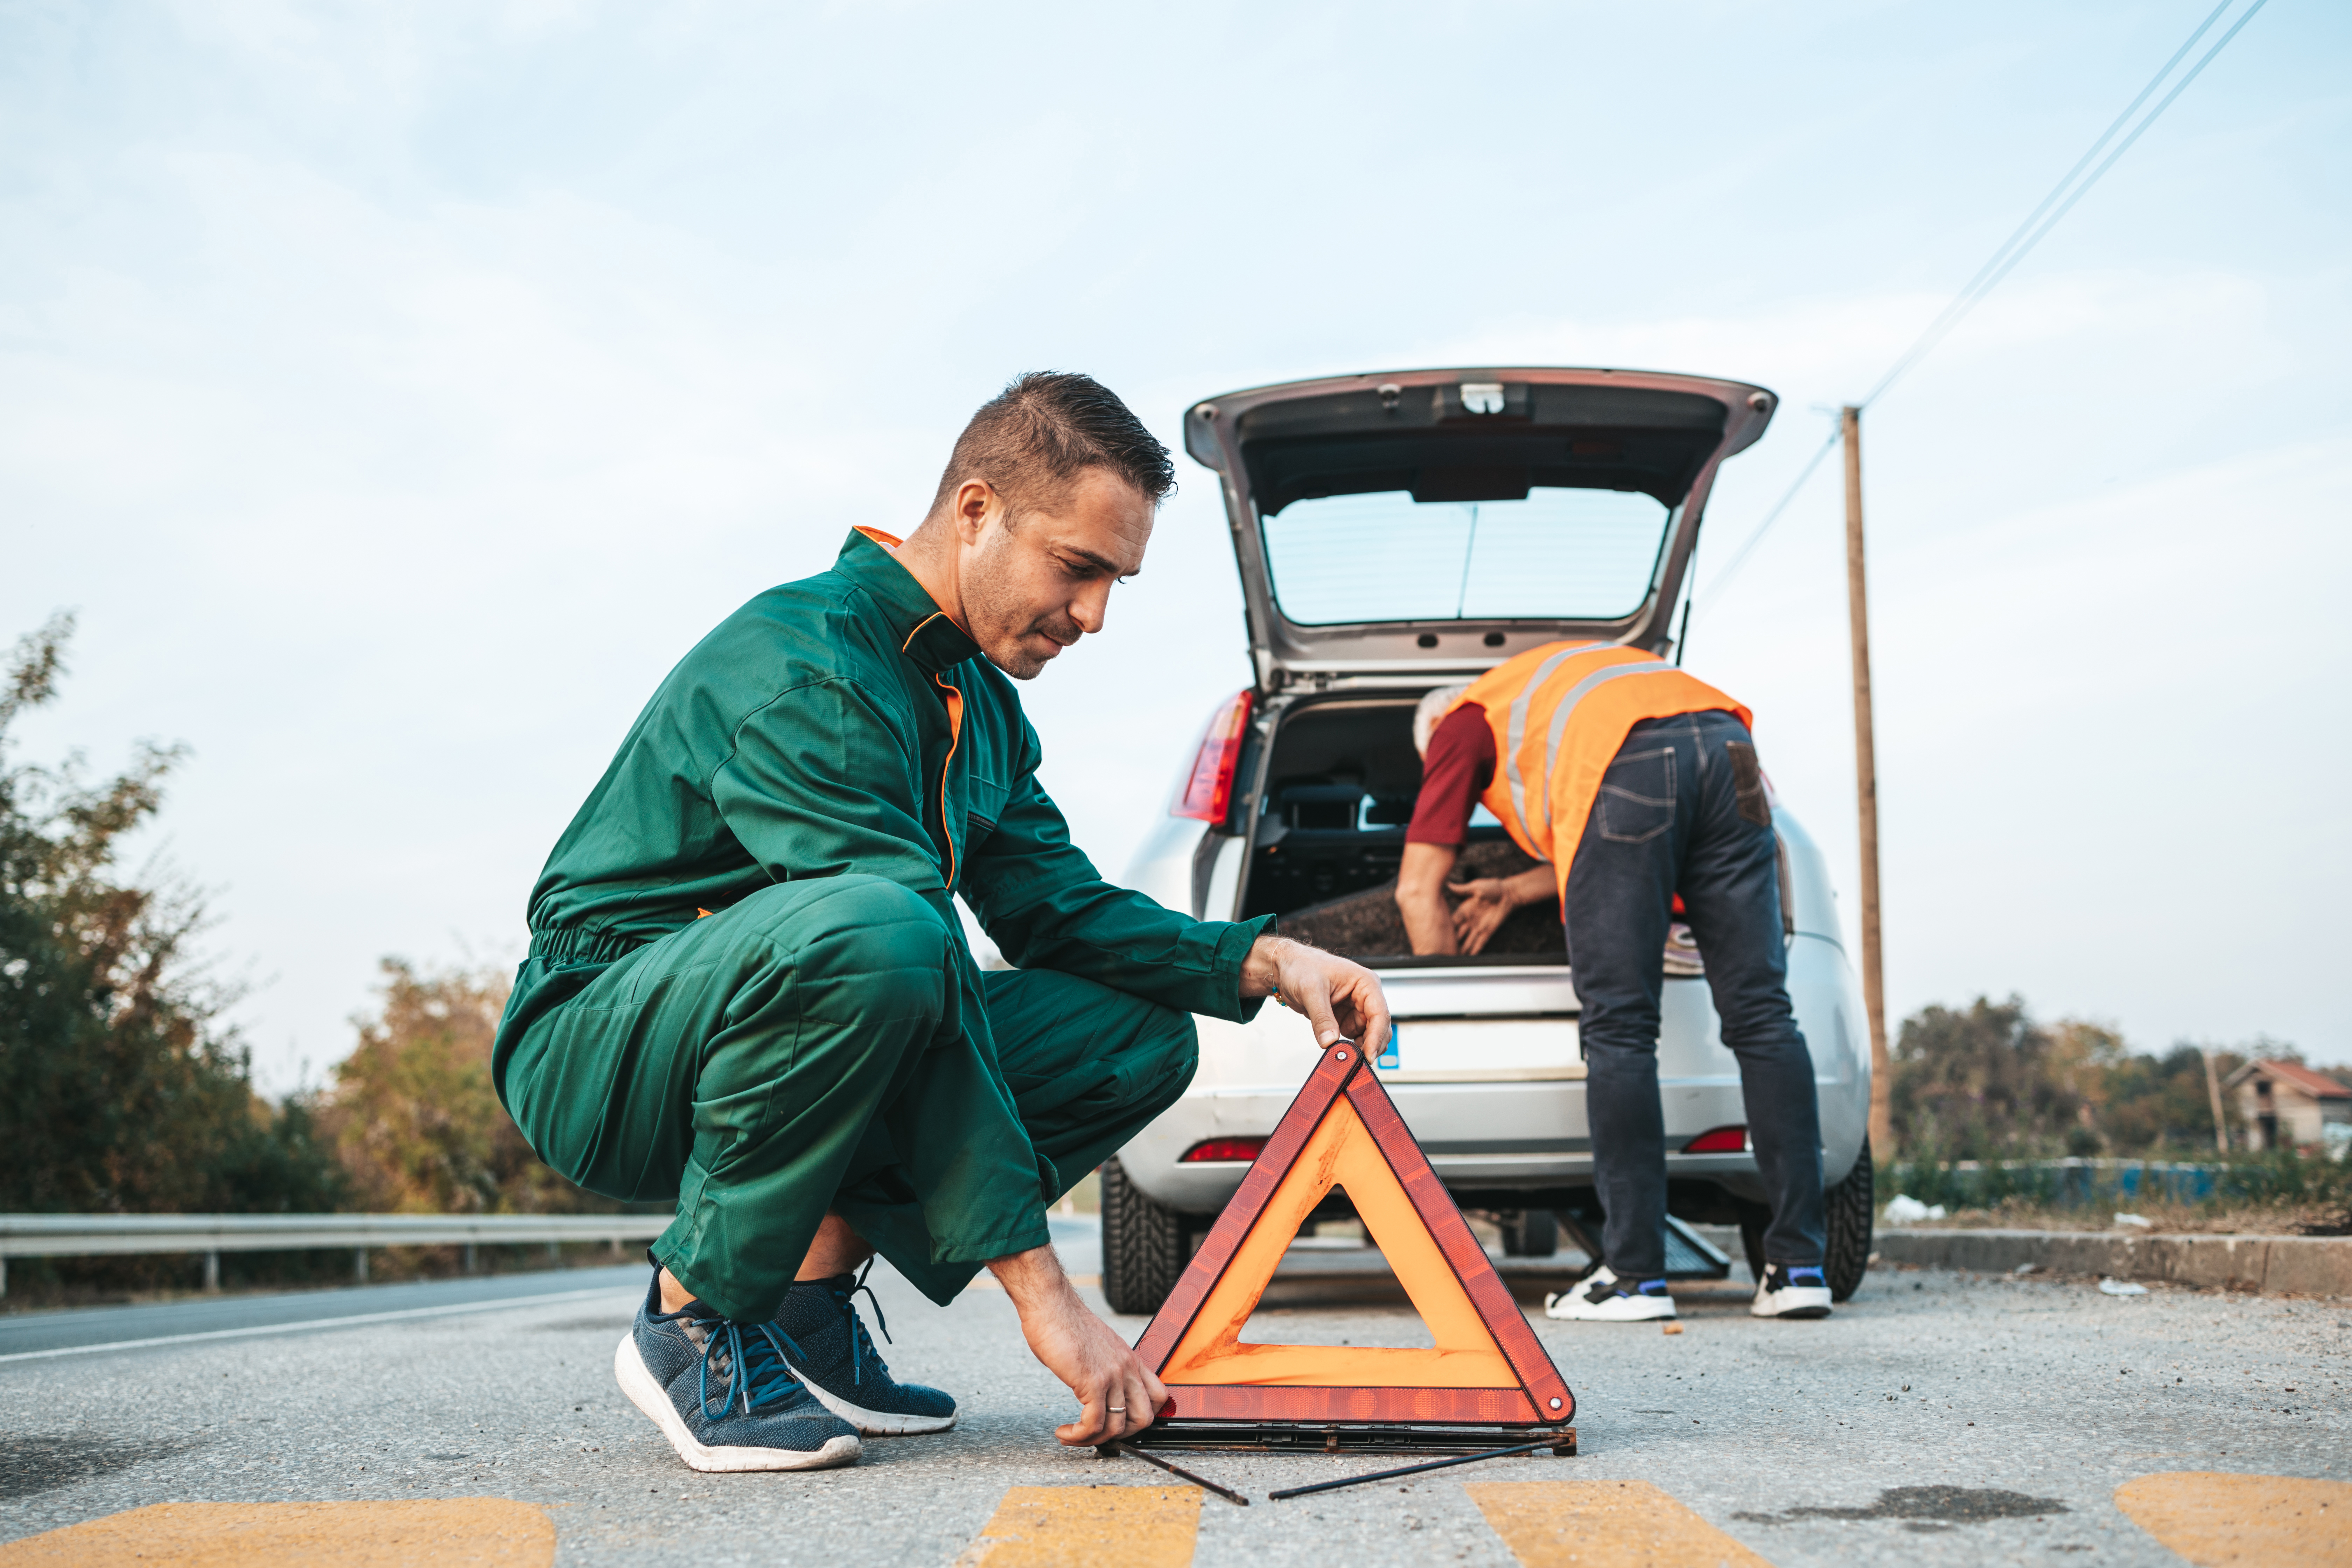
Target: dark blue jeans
{"points": [[1682, 810]]}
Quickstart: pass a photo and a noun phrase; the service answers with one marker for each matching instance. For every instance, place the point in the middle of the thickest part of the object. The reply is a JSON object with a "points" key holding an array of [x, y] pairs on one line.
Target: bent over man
{"points": [[747, 989], [1633, 782]]}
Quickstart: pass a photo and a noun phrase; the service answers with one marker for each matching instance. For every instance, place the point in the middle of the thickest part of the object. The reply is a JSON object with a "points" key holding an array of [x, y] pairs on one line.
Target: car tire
{"points": [[1848, 1211], [1531, 1233], [1143, 1250]]}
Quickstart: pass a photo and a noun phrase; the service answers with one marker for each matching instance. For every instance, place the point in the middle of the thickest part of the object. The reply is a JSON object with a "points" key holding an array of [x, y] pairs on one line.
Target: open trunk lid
{"points": [[1393, 527]]}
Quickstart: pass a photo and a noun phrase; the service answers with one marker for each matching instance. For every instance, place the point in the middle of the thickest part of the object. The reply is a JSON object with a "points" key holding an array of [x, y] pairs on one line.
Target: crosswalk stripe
{"points": [[1080, 1527], [1603, 1524], [484, 1529], [2213, 1519]]}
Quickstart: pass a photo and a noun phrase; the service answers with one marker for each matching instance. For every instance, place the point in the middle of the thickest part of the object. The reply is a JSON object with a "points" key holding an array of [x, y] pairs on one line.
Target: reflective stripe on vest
{"points": [[1526, 699]]}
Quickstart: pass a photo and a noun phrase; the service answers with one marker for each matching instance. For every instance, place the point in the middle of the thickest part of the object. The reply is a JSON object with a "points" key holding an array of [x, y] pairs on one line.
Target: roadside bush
{"points": [[2279, 1191], [411, 1113]]}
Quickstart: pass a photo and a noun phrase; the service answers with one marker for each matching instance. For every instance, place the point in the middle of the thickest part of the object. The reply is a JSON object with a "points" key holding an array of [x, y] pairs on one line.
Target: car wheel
{"points": [[1143, 1250], [1531, 1233], [1848, 1211]]}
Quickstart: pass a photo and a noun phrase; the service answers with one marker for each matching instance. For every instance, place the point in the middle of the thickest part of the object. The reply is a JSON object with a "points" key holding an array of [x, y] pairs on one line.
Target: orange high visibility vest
{"points": [[1559, 712]]}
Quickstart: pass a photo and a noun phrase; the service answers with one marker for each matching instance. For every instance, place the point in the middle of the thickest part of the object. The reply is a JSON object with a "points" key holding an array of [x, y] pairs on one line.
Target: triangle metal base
{"points": [[1350, 1437]]}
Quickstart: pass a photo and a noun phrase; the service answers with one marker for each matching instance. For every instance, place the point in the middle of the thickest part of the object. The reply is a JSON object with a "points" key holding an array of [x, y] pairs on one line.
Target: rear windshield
{"points": [[1560, 554]]}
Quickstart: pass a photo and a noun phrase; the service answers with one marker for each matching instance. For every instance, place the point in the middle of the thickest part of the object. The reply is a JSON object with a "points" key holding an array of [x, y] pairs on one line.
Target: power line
{"points": [[1740, 554], [2014, 249]]}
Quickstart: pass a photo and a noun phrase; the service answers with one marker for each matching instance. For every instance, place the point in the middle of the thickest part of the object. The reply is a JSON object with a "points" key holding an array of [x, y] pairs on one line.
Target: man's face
{"points": [[1033, 588]]}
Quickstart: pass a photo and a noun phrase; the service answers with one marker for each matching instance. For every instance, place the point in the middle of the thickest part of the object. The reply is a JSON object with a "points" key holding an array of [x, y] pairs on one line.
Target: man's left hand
{"points": [[1489, 901], [1486, 903], [1342, 1000]]}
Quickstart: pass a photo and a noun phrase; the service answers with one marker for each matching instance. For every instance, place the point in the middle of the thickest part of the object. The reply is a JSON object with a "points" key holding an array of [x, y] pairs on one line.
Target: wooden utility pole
{"points": [[2214, 1093], [1865, 784]]}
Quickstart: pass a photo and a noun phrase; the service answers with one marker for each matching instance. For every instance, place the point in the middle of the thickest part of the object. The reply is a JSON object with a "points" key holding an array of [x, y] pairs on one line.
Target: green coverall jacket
{"points": [[818, 777]]}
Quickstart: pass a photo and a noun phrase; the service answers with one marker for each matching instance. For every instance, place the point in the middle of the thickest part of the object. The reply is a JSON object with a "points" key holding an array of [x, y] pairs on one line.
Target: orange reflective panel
{"points": [[1485, 1364], [1341, 1154]]}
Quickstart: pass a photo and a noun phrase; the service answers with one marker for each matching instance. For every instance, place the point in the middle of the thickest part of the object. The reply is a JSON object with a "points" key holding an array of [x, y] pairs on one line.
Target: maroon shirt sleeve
{"points": [[1454, 772]]}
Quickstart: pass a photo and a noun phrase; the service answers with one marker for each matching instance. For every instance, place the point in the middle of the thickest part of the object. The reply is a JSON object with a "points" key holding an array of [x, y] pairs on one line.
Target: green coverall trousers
{"points": [[780, 1059]]}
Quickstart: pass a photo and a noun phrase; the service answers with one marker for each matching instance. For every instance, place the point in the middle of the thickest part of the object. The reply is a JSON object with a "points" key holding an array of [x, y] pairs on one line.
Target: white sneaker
{"points": [[1602, 1297], [1791, 1293]]}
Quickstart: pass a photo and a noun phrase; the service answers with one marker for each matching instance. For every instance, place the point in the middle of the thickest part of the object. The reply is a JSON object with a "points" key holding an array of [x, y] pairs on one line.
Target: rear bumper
{"points": [[1479, 1137], [1527, 1133]]}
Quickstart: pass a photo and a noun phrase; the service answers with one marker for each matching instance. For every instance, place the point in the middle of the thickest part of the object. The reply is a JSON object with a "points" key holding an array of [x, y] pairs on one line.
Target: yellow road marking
{"points": [[2213, 1520], [1080, 1527], [488, 1529], [1603, 1524]]}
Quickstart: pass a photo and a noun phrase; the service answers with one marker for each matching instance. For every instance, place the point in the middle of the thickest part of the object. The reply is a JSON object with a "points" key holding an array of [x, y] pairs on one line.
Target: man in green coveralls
{"points": [[747, 989]]}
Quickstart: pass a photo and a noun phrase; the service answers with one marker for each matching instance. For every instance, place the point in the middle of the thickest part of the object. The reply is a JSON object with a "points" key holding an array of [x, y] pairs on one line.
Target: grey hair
{"points": [[1430, 710]]}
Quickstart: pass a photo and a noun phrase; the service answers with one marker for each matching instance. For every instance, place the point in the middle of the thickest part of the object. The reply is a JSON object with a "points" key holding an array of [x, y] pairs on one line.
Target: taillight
{"points": [[1222, 1149], [1209, 791], [1718, 1141]]}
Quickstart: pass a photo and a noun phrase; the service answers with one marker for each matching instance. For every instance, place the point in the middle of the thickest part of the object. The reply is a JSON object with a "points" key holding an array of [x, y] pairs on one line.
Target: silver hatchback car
{"points": [[1396, 534]]}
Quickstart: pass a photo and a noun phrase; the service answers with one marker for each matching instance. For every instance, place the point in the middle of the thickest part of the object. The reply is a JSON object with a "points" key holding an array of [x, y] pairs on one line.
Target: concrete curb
{"points": [[2261, 1264]]}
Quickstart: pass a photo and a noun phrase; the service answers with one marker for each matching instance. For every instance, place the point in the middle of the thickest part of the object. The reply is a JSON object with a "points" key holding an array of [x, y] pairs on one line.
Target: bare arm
{"points": [[1421, 896], [1117, 1394]]}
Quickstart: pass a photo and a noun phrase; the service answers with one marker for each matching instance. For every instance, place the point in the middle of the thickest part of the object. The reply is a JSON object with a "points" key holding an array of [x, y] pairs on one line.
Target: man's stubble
{"points": [[1001, 619]]}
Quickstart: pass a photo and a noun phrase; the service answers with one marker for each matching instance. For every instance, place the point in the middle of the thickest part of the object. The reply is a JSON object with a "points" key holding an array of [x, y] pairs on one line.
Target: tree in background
{"points": [[125, 1090], [2161, 1102], [412, 1113], [1988, 1082]]}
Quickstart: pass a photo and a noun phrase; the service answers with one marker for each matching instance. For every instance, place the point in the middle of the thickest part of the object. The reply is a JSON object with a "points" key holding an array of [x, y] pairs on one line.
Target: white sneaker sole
{"points": [[637, 1380], [1799, 1301], [874, 1423], [1566, 1308]]}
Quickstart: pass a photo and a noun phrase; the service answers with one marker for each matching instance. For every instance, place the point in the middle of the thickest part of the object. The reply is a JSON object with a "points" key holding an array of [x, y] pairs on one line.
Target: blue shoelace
{"points": [[752, 1378], [861, 1346]]}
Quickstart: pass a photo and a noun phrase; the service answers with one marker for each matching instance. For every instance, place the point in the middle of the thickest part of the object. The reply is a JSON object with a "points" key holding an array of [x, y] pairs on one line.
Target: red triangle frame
{"points": [[1541, 1398]]}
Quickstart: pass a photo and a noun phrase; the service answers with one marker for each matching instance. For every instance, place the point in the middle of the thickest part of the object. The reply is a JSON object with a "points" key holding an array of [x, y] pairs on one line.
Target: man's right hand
{"points": [[1118, 1396]]}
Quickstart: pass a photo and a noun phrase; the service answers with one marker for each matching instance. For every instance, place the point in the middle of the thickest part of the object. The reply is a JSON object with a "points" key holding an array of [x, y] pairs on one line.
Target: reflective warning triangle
{"points": [[1343, 1130]]}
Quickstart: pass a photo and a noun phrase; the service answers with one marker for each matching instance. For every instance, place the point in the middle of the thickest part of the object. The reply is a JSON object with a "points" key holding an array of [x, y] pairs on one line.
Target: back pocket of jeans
{"points": [[1747, 783], [1637, 796]]}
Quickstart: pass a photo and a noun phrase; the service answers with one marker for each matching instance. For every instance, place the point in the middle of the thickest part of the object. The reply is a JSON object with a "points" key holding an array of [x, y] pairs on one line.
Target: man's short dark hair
{"points": [[1043, 430]]}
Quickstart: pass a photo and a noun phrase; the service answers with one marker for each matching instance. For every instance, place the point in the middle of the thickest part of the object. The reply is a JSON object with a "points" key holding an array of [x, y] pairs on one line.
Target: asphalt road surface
{"points": [[1937, 1418]]}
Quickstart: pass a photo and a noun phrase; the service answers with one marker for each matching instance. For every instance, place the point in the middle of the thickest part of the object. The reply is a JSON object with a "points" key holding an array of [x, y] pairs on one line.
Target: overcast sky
{"points": [[396, 393]]}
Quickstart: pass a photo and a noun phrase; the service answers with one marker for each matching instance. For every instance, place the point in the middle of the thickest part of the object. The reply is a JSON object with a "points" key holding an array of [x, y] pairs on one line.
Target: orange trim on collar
{"points": [[892, 544], [927, 620]]}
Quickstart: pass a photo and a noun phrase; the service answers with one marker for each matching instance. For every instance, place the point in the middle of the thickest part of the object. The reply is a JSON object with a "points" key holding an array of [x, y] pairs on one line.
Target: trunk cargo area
{"points": [[1329, 831]]}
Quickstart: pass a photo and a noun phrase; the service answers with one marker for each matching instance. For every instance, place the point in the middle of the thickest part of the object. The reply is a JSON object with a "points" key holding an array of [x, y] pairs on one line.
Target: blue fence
{"points": [[2069, 1183]]}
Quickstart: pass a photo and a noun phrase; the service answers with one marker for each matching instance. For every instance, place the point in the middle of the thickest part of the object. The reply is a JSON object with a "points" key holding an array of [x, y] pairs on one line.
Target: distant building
{"points": [[2286, 1105]]}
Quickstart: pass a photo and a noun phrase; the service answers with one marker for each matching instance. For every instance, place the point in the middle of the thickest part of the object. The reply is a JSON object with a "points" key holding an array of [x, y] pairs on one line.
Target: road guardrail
{"points": [[95, 1234]]}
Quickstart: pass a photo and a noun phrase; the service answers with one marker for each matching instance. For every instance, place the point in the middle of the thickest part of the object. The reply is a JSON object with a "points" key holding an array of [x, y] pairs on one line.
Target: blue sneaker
{"points": [[833, 1355], [1791, 1290], [722, 1394]]}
